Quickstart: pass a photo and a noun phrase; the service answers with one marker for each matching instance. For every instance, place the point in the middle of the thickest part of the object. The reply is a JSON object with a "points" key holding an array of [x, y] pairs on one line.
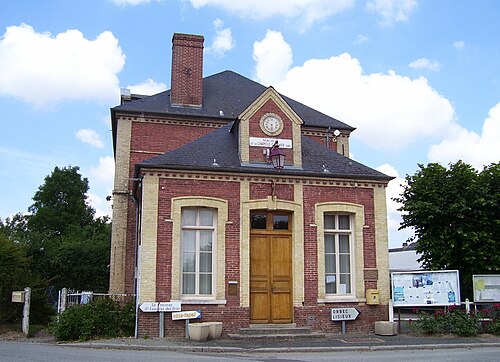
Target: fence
{"points": [[68, 298]]}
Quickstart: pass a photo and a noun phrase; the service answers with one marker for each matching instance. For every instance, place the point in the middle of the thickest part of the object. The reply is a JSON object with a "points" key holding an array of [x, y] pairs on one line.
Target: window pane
{"points": [[188, 240], [329, 221], [330, 266], [206, 217], [345, 283], [329, 243], [206, 262], [188, 217], [344, 222], [205, 284], [188, 262], [344, 243], [280, 222], [345, 263], [188, 284], [258, 221], [331, 288], [206, 240]]}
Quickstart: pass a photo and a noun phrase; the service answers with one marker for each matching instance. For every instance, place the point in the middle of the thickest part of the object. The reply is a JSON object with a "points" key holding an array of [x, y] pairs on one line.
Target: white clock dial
{"points": [[272, 125]]}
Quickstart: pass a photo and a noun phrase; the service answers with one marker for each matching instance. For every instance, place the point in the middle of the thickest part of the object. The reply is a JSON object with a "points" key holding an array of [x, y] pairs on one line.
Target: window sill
{"points": [[342, 299], [201, 301]]}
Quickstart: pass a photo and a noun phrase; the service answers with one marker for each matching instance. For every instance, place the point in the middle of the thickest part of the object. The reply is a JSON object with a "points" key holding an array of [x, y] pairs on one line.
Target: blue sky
{"points": [[419, 79]]}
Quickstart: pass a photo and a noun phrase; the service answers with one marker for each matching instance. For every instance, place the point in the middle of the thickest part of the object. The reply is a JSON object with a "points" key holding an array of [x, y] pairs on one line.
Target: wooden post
{"points": [[26, 310]]}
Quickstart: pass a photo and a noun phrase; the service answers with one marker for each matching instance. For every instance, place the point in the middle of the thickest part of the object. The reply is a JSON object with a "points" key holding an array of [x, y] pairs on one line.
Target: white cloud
{"points": [[360, 39], [105, 170], [273, 57], [147, 87], [306, 12], [42, 69], [459, 44], [468, 146], [101, 185], [425, 63], [389, 107], [392, 11], [90, 136], [223, 40], [394, 189]]}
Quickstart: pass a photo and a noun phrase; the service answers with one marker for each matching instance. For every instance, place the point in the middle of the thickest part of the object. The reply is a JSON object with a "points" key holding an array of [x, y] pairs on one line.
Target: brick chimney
{"points": [[187, 70]]}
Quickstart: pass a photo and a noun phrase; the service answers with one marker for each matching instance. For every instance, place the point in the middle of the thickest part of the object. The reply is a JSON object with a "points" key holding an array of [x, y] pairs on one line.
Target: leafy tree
{"points": [[13, 267], [455, 216], [69, 247]]}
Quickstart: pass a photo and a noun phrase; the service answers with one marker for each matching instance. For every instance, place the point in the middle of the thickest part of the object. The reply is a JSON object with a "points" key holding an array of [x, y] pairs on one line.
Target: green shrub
{"points": [[454, 320], [101, 318]]}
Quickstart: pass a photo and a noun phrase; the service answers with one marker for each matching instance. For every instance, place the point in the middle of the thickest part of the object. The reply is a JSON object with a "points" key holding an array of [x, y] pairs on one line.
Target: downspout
{"points": [[137, 184]]}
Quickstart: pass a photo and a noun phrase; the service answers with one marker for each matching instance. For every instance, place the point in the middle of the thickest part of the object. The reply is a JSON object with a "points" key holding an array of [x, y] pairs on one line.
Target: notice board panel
{"points": [[486, 288], [426, 288]]}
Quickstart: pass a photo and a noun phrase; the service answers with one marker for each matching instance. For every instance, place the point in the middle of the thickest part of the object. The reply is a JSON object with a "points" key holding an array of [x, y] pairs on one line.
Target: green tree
{"points": [[69, 247], [455, 216], [13, 267]]}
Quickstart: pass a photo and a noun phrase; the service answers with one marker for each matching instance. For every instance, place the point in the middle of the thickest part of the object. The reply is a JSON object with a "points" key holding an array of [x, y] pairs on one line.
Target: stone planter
{"points": [[198, 331], [215, 330]]}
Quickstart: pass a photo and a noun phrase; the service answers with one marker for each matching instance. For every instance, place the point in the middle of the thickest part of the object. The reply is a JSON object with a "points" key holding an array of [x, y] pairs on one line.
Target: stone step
{"points": [[264, 331], [277, 335]]}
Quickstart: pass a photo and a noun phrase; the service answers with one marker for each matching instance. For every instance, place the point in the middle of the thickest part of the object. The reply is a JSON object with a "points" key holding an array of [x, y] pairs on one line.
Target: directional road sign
{"points": [[344, 314], [193, 314]]}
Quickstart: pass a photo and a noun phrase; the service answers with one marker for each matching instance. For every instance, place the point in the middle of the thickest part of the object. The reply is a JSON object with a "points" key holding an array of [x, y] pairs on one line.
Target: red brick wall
{"points": [[164, 137], [317, 194], [313, 315], [187, 70], [259, 191], [222, 189], [148, 140]]}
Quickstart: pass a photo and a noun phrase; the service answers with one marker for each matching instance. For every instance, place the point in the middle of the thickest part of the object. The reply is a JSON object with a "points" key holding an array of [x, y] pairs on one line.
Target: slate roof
{"points": [[221, 145], [230, 93]]}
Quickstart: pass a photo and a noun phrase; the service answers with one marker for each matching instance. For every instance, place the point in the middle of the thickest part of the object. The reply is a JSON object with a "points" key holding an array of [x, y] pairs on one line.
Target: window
{"points": [[198, 251], [338, 253]]}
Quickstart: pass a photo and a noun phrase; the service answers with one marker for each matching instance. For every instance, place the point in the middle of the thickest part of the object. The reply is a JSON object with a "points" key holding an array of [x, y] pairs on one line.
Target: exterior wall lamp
{"points": [[277, 156]]}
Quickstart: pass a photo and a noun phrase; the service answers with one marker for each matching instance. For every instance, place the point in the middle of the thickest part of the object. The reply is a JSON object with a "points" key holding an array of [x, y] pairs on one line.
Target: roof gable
{"points": [[226, 95]]}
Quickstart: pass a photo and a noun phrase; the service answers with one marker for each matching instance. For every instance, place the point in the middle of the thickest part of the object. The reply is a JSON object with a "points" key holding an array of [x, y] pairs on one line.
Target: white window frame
{"points": [[218, 288], [197, 273], [337, 232], [357, 259]]}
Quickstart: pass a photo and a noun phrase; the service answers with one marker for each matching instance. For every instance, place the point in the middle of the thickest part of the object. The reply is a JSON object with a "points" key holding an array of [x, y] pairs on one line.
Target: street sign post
{"points": [[344, 314], [161, 307]]}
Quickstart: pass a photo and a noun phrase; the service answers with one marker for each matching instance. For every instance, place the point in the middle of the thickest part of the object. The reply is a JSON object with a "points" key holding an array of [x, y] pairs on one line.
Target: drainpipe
{"points": [[137, 184]]}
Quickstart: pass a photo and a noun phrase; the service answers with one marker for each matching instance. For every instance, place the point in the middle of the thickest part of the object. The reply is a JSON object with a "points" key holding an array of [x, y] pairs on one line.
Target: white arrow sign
{"points": [[149, 307], [169, 307], [192, 314], [344, 314]]}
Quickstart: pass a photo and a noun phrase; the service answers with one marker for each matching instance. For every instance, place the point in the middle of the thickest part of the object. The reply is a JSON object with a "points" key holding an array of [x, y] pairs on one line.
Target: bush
{"points": [[454, 320], [101, 318]]}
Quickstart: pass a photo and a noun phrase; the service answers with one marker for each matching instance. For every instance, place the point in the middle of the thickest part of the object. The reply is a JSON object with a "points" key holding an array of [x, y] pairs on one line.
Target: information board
{"points": [[413, 289], [486, 288]]}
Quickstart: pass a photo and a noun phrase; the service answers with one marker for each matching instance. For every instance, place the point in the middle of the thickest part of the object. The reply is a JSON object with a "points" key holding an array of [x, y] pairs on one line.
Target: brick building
{"points": [[201, 216]]}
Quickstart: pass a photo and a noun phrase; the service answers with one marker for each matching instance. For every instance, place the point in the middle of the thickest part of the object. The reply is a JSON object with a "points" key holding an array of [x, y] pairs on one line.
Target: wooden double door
{"points": [[270, 268]]}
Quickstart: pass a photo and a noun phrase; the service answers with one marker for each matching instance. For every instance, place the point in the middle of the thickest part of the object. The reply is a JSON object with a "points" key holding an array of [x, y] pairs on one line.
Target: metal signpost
{"points": [[187, 315], [161, 307], [344, 314]]}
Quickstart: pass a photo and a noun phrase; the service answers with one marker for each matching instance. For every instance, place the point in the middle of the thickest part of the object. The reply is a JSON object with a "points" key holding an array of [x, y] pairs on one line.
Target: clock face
{"points": [[272, 125]]}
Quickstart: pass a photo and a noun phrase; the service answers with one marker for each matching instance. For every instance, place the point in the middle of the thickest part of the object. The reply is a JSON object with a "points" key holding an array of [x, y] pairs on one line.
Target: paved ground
{"points": [[333, 342], [327, 343]]}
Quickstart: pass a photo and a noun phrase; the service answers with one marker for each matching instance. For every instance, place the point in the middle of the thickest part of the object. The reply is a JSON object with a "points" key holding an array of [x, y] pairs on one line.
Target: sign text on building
{"points": [[269, 142]]}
